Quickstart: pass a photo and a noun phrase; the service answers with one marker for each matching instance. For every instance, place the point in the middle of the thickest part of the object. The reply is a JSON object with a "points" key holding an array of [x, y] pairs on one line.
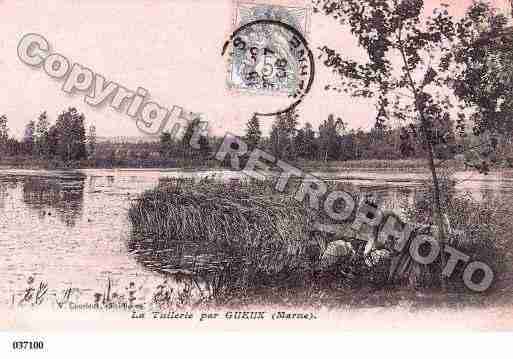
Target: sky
{"points": [[169, 47]]}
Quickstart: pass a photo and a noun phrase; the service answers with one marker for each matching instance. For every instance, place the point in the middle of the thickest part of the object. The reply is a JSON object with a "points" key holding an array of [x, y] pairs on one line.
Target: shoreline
{"points": [[329, 169], [413, 165]]}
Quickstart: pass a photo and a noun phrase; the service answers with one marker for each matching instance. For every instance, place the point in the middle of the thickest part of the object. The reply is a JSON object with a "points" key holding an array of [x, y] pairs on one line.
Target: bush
{"points": [[237, 234], [485, 231]]}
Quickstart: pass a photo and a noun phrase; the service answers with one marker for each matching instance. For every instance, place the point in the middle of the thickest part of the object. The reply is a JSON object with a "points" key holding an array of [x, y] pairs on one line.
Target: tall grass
{"points": [[480, 229], [245, 236], [238, 235]]}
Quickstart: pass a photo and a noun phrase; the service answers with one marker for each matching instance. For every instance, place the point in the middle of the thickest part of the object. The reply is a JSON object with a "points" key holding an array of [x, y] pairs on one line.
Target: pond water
{"points": [[70, 229]]}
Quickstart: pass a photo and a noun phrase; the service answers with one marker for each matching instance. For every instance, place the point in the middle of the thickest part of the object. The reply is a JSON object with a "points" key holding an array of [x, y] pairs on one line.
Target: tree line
{"points": [[67, 143], [65, 140], [334, 140]]}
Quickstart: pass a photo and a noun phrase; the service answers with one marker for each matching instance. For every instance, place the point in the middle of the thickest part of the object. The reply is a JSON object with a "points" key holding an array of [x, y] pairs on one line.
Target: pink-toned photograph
{"points": [[263, 165]]}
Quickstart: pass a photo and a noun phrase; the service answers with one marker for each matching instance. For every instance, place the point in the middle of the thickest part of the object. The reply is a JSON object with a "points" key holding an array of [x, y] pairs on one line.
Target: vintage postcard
{"points": [[267, 165]]}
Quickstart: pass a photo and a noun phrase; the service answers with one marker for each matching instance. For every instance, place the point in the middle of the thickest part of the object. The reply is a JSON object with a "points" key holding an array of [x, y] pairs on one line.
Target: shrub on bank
{"points": [[240, 233], [245, 235], [480, 229]]}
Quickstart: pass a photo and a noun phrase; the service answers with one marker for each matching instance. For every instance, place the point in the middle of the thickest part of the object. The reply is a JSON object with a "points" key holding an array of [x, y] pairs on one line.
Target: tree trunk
{"points": [[437, 211], [437, 208]]}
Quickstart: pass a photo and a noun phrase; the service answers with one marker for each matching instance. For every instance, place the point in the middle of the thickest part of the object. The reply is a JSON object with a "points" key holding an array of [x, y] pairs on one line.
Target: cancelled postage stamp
{"points": [[268, 52]]}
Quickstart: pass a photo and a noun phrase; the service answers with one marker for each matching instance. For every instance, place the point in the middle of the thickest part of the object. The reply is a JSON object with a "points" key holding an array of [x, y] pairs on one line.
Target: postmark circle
{"points": [[270, 57]]}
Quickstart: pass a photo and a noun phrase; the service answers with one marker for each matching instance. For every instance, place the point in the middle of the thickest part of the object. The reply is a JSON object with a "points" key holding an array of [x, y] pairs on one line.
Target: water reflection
{"points": [[60, 197], [85, 236], [393, 199], [5, 185]]}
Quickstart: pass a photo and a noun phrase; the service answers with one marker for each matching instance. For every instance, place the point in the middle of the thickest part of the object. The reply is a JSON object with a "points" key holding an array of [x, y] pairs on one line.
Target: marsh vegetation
{"points": [[242, 237]]}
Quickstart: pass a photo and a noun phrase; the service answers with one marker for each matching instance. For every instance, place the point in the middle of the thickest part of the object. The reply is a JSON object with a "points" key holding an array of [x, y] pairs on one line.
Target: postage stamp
{"points": [[268, 51], [297, 16]]}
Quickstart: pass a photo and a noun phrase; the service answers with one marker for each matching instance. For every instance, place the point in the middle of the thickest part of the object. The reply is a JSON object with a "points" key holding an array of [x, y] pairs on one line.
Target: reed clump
{"points": [[480, 229], [240, 232]]}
